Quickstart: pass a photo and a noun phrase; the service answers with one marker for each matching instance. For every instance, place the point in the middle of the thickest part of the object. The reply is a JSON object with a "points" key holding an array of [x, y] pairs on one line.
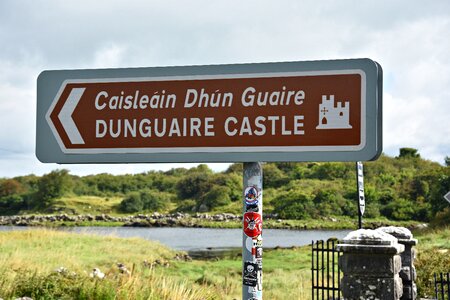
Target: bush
{"points": [[427, 264], [187, 206], [442, 218], [273, 177], [293, 205], [217, 196], [193, 185], [12, 204], [132, 203], [154, 200], [328, 202], [401, 209]]}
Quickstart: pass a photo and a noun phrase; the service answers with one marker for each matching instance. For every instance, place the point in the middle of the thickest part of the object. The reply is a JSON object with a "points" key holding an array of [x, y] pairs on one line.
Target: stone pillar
{"points": [[371, 264], [408, 271]]}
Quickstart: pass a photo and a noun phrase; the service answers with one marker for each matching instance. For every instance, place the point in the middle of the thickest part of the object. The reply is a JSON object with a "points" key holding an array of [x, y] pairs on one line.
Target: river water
{"points": [[192, 239]]}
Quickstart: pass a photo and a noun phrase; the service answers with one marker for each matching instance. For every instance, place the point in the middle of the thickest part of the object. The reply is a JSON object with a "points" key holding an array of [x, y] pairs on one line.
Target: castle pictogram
{"points": [[331, 117]]}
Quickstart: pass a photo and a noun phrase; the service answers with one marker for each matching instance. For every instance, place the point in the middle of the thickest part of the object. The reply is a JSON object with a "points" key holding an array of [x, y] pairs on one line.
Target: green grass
{"points": [[434, 238], [433, 257], [286, 274], [48, 249], [28, 260], [89, 204]]}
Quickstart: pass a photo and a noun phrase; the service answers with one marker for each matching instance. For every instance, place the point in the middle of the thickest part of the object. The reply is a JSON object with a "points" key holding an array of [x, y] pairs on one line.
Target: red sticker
{"points": [[252, 224]]}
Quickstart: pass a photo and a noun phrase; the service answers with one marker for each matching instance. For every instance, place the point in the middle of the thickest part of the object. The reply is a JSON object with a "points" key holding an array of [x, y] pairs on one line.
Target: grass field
{"points": [[29, 260]]}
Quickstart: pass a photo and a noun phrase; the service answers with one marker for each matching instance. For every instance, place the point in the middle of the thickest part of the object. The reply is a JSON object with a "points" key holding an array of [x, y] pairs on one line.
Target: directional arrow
{"points": [[65, 116], [447, 197]]}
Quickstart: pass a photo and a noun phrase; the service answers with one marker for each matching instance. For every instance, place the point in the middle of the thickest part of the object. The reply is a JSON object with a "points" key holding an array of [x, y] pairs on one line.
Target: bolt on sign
{"points": [[294, 111]]}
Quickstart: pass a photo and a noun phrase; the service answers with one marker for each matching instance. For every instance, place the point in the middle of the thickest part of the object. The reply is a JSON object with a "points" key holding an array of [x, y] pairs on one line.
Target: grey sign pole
{"points": [[361, 196], [252, 232]]}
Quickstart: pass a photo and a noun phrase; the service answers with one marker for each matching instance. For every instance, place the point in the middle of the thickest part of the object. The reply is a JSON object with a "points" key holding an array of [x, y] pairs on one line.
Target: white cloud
{"points": [[108, 57], [409, 39]]}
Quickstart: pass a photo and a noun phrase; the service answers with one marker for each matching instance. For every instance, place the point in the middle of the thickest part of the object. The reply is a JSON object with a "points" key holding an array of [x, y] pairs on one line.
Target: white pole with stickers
{"points": [[252, 233]]}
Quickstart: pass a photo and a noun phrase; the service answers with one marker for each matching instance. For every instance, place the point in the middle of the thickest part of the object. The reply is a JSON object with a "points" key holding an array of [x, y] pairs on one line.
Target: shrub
{"points": [[401, 209], [12, 204], [442, 218], [193, 185], [427, 264], [132, 203], [154, 200], [217, 196], [293, 205]]}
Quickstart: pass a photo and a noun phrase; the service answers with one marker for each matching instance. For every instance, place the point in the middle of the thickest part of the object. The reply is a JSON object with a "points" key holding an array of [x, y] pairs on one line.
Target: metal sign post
{"points": [[252, 232], [360, 187], [289, 111]]}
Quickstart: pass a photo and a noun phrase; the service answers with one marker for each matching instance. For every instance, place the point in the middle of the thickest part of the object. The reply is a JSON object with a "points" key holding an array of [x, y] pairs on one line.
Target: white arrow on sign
{"points": [[447, 197], [65, 116]]}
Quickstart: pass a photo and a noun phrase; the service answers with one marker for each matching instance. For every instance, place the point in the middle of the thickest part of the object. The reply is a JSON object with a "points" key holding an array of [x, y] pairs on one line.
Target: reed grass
{"points": [[29, 259]]}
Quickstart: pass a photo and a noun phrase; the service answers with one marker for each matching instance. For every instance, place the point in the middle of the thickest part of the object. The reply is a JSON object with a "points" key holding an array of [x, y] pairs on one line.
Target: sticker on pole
{"points": [[250, 276], [251, 196], [252, 224]]}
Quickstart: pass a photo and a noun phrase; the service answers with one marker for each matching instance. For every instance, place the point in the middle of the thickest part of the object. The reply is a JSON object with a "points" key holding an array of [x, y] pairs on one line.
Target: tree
{"points": [[10, 187], [193, 185], [293, 205], [217, 196], [409, 152], [273, 177], [53, 185]]}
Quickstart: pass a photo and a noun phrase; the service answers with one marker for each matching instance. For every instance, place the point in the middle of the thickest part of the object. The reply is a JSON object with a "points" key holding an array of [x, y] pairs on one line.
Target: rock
{"points": [[182, 257], [398, 232], [96, 273], [203, 208], [123, 269], [369, 236], [420, 226], [61, 270]]}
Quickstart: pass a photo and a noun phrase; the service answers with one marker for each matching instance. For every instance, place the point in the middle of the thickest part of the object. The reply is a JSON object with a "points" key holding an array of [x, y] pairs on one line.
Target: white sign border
{"points": [[248, 149]]}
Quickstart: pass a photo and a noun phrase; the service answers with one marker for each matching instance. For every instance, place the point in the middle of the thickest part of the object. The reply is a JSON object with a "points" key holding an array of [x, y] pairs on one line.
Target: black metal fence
{"points": [[325, 272], [442, 286]]}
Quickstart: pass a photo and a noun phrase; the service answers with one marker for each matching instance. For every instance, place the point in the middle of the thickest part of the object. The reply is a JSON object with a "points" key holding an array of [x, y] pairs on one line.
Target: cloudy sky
{"points": [[410, 39]]}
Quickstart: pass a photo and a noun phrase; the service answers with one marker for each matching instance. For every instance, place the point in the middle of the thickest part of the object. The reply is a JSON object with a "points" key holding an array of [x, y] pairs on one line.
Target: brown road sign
{"points": [[215, 116]]}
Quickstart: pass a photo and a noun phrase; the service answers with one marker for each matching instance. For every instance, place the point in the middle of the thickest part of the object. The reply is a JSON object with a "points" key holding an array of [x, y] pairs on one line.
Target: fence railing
{"points": [[442, 286], [325, 271]]}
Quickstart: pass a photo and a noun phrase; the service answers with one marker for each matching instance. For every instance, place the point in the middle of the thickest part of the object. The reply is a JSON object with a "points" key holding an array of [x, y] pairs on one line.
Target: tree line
{"points": [[405, 187]]}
